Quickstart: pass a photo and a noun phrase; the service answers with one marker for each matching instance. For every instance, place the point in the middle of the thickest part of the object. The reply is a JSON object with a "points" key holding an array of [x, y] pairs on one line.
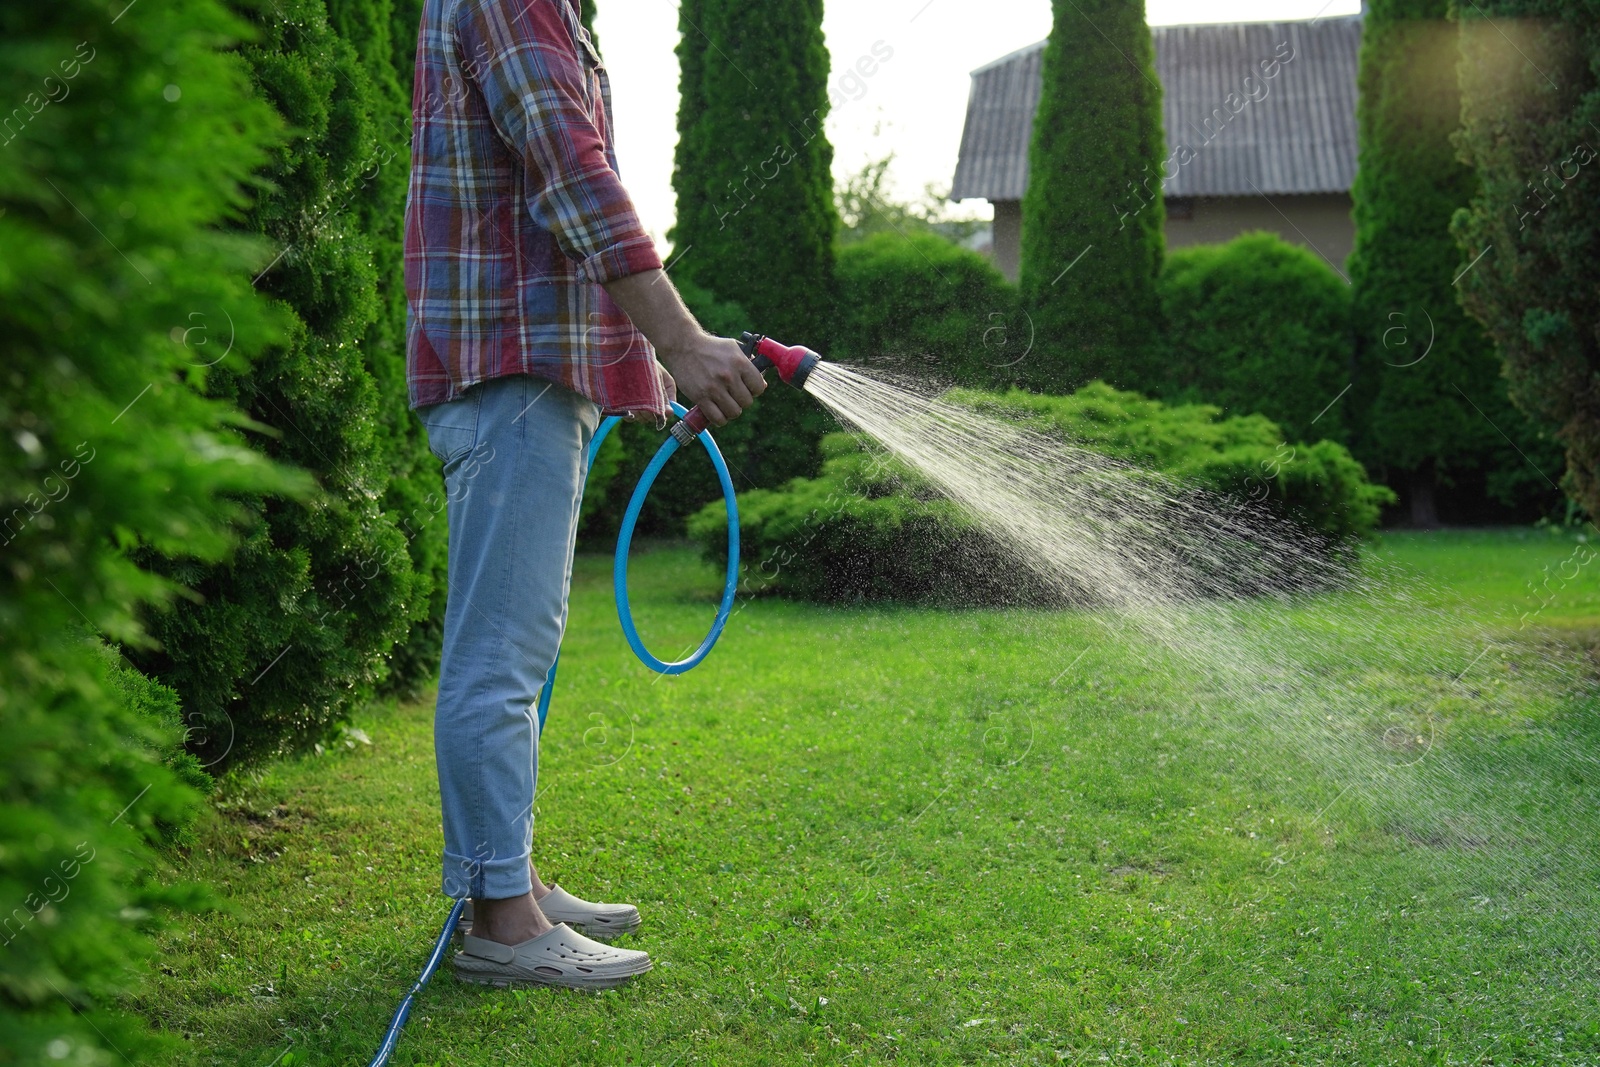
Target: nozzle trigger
{"points": [[751, 343]]}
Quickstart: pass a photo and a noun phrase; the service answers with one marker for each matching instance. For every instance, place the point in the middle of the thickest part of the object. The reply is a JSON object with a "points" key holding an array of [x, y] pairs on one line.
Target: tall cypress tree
{"points": [[1092, 215], [755, 193], [687, 177], [1427, 419], [1530, 115]]}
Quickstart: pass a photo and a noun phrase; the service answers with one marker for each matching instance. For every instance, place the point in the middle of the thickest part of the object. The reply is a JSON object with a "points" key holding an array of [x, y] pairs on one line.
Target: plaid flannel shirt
{"points": [[515, 213]]}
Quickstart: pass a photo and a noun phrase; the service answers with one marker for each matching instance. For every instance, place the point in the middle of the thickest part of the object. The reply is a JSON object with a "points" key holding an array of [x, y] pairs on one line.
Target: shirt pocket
{"points": [[587, 50], [594, 70]]}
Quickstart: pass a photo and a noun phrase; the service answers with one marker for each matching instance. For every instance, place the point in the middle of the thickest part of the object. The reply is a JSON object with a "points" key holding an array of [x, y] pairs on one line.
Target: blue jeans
{"points": [[514, 452]]}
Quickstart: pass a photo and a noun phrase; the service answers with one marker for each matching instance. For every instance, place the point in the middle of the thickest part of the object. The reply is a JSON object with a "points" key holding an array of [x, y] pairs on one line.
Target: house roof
{"points": [[1299, 137]]}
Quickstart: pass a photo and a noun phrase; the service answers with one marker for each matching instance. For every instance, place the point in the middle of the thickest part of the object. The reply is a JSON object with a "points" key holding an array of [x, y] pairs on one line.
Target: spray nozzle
{"points": [[794, 365]]}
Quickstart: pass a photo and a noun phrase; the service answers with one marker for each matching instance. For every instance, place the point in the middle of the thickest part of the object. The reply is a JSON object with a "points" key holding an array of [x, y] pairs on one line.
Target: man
{"points": [[535, 300]]}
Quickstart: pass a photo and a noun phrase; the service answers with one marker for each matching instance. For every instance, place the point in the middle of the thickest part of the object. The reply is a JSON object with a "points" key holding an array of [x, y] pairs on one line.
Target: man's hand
{"points": [[715, 373], [712, 371]]}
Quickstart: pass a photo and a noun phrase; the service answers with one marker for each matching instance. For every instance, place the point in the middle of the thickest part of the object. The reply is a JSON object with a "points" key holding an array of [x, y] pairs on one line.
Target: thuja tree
{"points": [[756, 219], [1092, 215], [132, 140], [695, 214], [298, 624], [415, 489], [1429, 396], [1530, 112], [405, 18]]}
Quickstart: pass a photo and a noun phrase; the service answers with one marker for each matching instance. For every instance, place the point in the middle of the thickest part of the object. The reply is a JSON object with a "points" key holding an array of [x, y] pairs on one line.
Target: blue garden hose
{"points": [[619, 567], [619, 573], [391, 1037]]}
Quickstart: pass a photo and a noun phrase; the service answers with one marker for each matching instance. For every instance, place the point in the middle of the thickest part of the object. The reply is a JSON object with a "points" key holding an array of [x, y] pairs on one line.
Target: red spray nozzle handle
{"points": [[794, 362]]}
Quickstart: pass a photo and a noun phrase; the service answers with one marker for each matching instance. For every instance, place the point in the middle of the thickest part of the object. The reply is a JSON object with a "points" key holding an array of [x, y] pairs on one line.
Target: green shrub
{"points": [[923, 303], [1257, 325], [76, 868], [415, 484], [405, 20], [111, 278], [861, 529], [158, 705], [867, 527], [298, 625], [1318, 485]]}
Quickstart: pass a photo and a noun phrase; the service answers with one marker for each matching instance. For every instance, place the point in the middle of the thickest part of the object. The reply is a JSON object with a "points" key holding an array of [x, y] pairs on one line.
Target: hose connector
{"points": [[684, 432]]}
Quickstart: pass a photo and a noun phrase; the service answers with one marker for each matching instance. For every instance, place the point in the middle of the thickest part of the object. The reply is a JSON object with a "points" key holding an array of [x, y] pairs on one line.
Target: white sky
{"points": [[913, 105]]}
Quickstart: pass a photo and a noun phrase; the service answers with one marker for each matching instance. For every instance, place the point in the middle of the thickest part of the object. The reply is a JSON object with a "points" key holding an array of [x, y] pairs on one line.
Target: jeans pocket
{"points": [[453, 427]]}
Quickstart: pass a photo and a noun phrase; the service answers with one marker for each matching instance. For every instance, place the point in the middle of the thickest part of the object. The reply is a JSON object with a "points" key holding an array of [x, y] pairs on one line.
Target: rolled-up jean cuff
{"points": [[494, 879]]}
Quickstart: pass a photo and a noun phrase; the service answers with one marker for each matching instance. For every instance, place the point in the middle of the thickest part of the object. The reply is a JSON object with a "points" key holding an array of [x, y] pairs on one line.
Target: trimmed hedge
{"points": [[1256, 325], [140, 135], [923, 303], [868, 528]]}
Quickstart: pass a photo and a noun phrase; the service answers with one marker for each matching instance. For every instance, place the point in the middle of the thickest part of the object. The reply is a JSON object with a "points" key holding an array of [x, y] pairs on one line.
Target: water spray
{"points": [[794, 365]]}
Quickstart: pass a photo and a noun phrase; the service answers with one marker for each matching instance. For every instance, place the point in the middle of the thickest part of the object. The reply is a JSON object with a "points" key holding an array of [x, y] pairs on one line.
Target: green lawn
{"points": [[900, 835]]}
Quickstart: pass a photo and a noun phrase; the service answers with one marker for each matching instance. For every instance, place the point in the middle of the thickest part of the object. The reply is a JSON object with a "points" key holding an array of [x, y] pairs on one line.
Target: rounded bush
{"points": [[1257, 325], [921, 302]]}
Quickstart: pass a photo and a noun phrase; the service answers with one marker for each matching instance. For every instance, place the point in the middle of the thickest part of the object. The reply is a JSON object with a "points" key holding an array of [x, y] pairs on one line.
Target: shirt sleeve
{"points": [[538, 88]]}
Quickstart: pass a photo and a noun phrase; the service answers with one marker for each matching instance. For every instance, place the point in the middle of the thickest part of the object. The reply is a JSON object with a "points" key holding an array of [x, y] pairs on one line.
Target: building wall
{"points": [[1008, 237], [1320, 222]]}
